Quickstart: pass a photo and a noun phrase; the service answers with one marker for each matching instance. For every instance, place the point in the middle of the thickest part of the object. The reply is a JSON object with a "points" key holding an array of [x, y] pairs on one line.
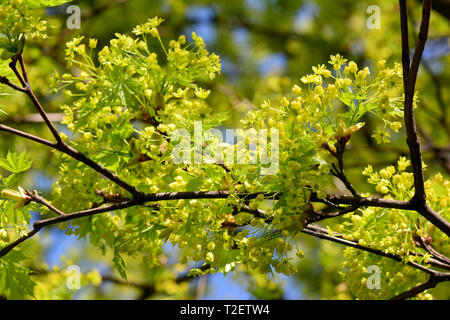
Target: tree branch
{"points": [[29, 92], [322, 233], [60, 145], [310, 229], [6, 81], [35, 197], [77, 155], [62, 217], [409, 82], [27, 136], [433, 280], [364, 202], [439, 256], [319, 216]]}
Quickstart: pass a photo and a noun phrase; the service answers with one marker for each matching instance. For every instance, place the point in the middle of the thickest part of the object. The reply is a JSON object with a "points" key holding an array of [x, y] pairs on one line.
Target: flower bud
{"points": [[13, 195]]}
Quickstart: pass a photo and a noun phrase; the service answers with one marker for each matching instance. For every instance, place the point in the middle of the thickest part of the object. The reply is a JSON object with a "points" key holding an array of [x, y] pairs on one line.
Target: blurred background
{"points": [[264, 46]]}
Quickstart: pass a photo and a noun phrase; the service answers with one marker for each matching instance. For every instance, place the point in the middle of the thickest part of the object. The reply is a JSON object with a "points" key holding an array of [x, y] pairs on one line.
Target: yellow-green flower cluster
{"points": [[17, 23], [392, 231], [397, 182]]}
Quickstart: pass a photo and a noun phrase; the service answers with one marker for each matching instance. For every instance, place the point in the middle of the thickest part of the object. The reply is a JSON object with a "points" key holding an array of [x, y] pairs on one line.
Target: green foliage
{"points": [[16, 163], [18, 22], [15, 281], [124, 98], [393, 231]]}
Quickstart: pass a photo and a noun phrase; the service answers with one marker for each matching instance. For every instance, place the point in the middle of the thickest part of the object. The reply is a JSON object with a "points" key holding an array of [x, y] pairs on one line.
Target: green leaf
{"points": [[110, 160], [227, 260], [17, 255], [16, 163], [195, 183], [45, 3], [119, 264], [15, 282]]}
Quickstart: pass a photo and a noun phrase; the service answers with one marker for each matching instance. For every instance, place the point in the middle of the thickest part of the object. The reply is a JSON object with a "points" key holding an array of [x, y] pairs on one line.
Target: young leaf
{"points": [[119, 264], [15, 281], [16, 163]]}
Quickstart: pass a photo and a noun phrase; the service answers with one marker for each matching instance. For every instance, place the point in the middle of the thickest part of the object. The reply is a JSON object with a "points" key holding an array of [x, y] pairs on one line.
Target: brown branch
{"points": [[418, 201], [356, 202], [24, 70], [35, 197], [427, 212], [322, 233], [364, 202], [424, 210], [41, 111], [409, 82], [29, 92], [310, 229], [81, 214], [442, 7], [339, 155], [60, 145], [339, 173], [6, 81], [256, 212], [27, 136], [62, 217], [77, 155], [438, 256], [319, 216], [8, 248], [440, 153], [433, 280], [152, 197], [13, 67]]}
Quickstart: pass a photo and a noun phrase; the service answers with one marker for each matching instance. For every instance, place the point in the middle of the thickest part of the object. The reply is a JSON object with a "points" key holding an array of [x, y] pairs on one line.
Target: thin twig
{"points": [[432, 251], [27, 136], [35, 197], [10, 84], [322, 233]]}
